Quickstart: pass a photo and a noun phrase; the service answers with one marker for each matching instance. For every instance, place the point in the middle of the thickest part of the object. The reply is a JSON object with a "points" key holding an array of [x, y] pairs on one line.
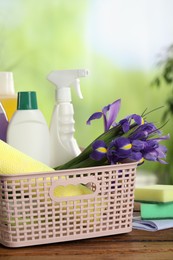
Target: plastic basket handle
{"points": [[90, 182]]}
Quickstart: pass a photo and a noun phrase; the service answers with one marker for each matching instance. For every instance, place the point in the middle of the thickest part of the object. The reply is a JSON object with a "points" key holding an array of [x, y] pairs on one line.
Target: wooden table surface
{"points": [[134, 245]]}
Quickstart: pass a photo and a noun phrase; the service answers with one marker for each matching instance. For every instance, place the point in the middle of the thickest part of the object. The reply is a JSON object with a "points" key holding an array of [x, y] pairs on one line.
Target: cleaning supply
{"points": [[14, 161], [154, 193], [71, 191], [152, 224], [8, 98], [28, 130], [3, 124], [62, 142], [157, 210]]}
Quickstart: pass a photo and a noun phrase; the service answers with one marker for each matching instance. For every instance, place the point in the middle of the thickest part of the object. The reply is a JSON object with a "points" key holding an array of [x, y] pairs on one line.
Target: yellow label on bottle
{"points": [[9, 105]]}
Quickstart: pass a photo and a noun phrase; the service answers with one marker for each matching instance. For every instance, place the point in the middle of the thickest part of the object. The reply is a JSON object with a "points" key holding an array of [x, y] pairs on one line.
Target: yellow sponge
{"points": [[13, 161], [154, 193], [71, 190]]}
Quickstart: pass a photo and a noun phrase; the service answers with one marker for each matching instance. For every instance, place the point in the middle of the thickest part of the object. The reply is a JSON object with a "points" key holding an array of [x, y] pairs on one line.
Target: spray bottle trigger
{"points": [[77, 87]]}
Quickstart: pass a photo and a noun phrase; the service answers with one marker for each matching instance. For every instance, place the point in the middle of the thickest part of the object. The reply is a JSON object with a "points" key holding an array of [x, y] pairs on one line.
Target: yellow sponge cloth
{"points": [[154, 193], [13, 161]]}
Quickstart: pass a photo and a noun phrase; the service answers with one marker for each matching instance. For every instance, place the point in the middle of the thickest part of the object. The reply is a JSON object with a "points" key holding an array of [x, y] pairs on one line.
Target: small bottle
{"points": [[28, 131], [3, 124], [8, 98]]}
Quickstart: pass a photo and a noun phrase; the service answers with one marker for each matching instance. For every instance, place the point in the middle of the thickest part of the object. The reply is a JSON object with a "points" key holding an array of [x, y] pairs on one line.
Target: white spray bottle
{"points": [[63, 145]]}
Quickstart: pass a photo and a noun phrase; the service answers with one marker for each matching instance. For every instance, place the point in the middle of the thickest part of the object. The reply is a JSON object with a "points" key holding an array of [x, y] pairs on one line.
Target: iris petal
{"points": [[109, 114], [97, 144], [138, 145], [97, 156], [125, 123], [113, 112], [106, 109], [151, 156], [138, 119], [94, 116], [136, 156], [125, 126], [123, 142], [161, 138], [99, 150], [161, 150]]}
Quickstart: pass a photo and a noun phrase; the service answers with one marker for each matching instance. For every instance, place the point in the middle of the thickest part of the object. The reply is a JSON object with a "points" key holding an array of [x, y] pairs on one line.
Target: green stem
{"points": [[107, 137], [83, 164], [84, 160]]}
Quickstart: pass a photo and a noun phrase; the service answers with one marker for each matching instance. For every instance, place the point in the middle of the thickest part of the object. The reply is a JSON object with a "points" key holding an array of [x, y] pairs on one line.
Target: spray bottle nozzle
{"points": [[77, 88], [63, 79]]}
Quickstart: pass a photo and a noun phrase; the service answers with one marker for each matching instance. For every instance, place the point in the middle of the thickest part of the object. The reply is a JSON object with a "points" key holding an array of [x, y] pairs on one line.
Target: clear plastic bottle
{"points": [[8, 98], [28, 130]]}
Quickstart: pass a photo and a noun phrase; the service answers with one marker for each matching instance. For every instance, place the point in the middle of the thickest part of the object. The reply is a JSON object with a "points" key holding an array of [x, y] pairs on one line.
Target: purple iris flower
{"points": [[149, 149], [109, 114], [157, 154], [153, 151], [99, 150], [122, 149], [138, 145], [119, 149], [125, 123], [144, 131], [161, 153], [134, 142], [136, 157]]}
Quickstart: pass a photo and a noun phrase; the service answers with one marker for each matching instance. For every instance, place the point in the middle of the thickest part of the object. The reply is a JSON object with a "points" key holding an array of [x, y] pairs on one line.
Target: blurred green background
{"points": [[117, 40]]}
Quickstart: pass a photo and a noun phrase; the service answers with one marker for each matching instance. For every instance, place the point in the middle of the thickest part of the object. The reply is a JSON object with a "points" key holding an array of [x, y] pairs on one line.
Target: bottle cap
{"points": [[27, 100], [6, 84]]}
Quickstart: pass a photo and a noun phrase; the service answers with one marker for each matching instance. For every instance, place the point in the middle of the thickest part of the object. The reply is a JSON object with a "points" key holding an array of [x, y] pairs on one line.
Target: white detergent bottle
{"points": [[27, 130], [63, 145]]}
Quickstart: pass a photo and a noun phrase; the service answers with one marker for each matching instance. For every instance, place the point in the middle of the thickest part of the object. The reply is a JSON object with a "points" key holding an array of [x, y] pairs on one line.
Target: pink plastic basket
{"points": [[30, 213]]}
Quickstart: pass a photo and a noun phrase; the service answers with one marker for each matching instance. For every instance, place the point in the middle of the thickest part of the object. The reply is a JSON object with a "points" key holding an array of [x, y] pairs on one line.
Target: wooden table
{"points": [[135, 245]]}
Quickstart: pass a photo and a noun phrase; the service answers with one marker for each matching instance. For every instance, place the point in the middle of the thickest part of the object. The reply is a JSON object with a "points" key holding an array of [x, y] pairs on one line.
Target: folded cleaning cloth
{"points": [[152, 224]]}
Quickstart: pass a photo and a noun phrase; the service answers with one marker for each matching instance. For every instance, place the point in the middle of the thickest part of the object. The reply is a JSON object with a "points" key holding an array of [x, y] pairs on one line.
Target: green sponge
{"points": [[157, 210], [154, 193]]}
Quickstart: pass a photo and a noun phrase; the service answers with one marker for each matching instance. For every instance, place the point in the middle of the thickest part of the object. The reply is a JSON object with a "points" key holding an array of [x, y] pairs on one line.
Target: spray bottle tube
{"points": [[63, 145]]}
